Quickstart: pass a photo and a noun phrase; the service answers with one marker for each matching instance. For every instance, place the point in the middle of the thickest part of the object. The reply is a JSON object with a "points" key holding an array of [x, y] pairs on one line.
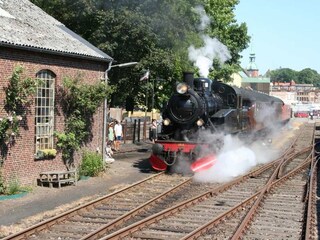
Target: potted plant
{"points": [[46, 153]]}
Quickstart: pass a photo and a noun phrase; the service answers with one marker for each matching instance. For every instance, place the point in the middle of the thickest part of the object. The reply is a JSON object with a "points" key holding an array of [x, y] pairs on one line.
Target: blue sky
{"points": [[285, 33]]}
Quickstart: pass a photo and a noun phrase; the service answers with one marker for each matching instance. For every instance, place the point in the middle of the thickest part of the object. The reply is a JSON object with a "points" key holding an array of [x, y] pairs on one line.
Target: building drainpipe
{"points": [[105, 115], [105, 107]]}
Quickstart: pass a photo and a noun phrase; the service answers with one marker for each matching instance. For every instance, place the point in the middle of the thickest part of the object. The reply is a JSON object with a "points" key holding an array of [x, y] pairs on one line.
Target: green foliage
{"points": [[17, 100], [9, 128], [46, 153], [19, 91], [225, 28], [68, 143], [82, 98], [13, 187], [156, 33], [166, 64], [91, 164], [306, 76], [79, 103], [283, 75]]}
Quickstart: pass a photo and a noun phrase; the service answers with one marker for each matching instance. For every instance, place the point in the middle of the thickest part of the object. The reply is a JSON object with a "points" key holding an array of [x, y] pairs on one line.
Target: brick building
{"points": [[294, 93], [46, 49]]}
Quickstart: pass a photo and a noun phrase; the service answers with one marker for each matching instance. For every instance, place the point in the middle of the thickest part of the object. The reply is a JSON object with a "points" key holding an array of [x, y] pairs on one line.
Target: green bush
{"points": [[13, 187], [92, 164]]}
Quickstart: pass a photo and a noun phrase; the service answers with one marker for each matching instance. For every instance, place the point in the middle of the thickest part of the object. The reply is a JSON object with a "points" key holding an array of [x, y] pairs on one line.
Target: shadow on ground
{"points": [[143, 150], [144, 165]]}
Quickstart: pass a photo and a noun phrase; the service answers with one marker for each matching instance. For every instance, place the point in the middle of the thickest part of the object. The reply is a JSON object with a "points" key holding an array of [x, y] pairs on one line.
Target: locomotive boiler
{"points": [[201, 109]]}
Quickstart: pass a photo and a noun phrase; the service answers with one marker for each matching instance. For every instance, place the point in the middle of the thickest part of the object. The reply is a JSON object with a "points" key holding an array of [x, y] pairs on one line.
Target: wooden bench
{"points": [[58, 177]]}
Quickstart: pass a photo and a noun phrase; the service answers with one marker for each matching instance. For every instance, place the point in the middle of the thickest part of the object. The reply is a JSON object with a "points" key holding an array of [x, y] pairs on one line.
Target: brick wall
{"points": [[20, 162]]}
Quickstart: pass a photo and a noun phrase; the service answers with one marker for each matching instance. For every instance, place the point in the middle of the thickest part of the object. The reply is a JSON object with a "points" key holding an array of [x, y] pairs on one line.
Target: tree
{"points": [[308, 76], [283, 75], [156, 33], [225, 28]]}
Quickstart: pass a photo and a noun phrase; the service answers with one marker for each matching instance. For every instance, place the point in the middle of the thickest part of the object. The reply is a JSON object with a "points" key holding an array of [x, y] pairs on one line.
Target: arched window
{"points": [[44, 112]]}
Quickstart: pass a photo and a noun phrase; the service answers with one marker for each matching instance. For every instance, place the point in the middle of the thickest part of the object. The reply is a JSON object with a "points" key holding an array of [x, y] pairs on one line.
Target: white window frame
{"points": [[44, 111]]}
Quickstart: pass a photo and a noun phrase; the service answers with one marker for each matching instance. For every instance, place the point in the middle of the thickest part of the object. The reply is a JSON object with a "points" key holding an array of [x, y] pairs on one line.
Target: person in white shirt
{"points": [[109, 153], [119, 135], [154, 127]]}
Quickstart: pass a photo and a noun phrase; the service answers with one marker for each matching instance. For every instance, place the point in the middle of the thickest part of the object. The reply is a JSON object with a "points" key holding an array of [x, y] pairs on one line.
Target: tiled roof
{"points": [[24, 25]]}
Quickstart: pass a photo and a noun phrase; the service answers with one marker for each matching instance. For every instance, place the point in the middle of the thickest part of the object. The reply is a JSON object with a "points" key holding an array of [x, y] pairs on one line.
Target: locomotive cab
{"points": [[227, 119]]}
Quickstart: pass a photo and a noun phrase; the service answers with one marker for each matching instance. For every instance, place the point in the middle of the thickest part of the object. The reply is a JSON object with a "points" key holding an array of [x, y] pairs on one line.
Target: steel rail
{"points": [[47, 223], [280, 171], [109, 226], [276, 174], [311, 202], [311, 193], [177, 208], [206, 227], [253, 210]]}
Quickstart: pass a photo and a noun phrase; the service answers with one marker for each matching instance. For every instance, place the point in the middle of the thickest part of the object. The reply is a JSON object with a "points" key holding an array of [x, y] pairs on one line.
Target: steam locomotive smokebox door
{"points": [[226, 120]]}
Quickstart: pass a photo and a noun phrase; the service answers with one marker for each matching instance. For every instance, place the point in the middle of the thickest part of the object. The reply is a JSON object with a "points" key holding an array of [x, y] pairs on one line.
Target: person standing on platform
{"points": [[111, 135], [154, 127], [119, 135]]}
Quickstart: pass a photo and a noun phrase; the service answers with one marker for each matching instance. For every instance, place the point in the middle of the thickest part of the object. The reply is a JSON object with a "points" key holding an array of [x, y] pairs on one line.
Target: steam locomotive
{"points": [[201, 109]]}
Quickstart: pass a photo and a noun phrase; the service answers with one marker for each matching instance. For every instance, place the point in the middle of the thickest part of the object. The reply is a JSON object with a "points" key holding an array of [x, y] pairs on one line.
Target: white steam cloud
{"points": [[237, 157], [213, 49], [204, 20], [203, 57]]}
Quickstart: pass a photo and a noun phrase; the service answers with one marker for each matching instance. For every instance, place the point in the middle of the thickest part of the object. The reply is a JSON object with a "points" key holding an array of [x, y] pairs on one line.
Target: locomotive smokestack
{"points": [[188, 78]]}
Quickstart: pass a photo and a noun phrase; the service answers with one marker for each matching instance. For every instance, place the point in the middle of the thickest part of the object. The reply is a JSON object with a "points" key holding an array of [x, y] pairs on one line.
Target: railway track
{"points": [[107, 210], [116, 210], [174, 207], [228, 211]]}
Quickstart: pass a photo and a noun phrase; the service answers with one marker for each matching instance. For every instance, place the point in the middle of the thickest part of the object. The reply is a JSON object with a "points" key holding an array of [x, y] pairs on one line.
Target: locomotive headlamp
{"points": [[200, 122], [182, 88], [166, 122]]}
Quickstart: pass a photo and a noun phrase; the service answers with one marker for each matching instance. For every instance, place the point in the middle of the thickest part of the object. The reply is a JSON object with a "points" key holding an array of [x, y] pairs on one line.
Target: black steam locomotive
{"points": [[201, 107]]}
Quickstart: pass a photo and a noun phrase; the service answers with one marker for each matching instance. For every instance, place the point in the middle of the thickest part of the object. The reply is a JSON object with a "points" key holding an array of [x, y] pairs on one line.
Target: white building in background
{"points": [[285, 91], [302, 97]]}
